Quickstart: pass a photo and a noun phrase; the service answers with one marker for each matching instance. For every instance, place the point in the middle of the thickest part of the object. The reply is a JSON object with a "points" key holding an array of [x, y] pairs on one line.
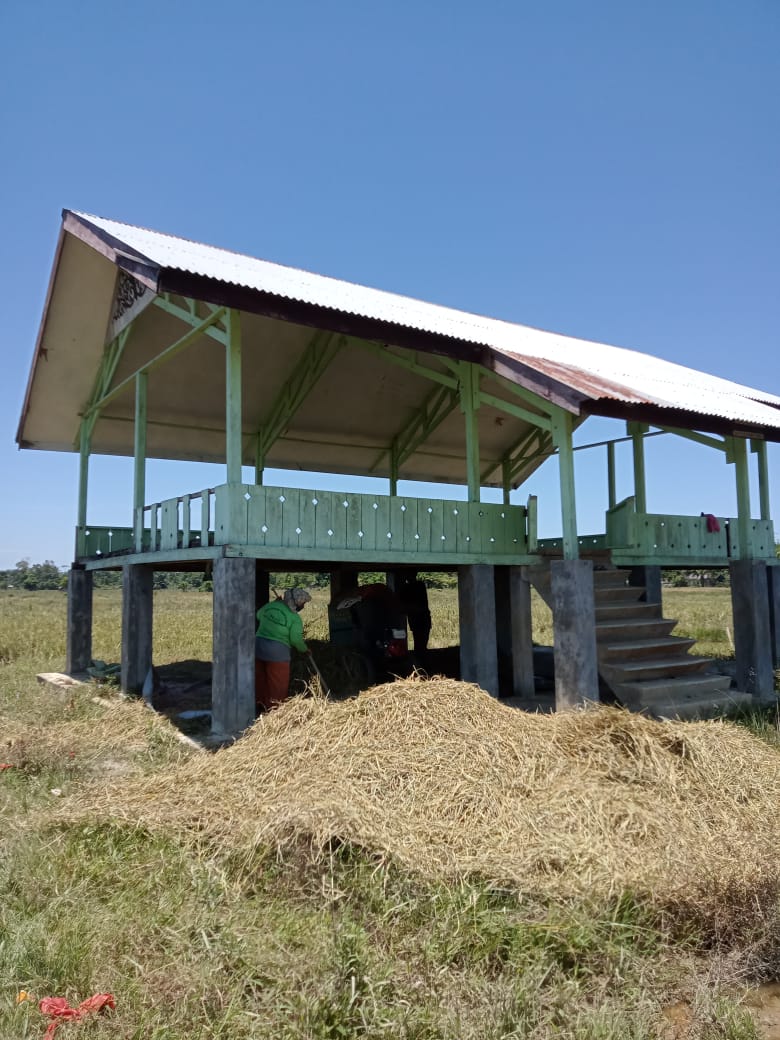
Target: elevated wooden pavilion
{"points": [[152, 346]]}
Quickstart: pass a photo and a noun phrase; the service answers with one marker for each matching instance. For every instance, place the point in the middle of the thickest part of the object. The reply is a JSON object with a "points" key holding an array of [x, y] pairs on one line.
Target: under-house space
{"points": [[154, 347]]}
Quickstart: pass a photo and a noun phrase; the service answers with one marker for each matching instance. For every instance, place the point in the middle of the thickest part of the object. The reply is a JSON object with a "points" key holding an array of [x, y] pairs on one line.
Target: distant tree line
{"points": [[33, 576]]}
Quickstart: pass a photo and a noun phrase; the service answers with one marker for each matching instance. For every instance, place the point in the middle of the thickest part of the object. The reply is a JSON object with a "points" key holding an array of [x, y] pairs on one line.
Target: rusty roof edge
{"points": [[667, 415]]}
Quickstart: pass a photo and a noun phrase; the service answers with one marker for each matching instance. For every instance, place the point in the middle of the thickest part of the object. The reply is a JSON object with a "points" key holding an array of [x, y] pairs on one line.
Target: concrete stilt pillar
{"points": [[78, 649], [233, 668], [752, 637], [773, 585], [522, 634], [262, 586], [477, 616], [137, 611], [650, 577], [574, 633]]}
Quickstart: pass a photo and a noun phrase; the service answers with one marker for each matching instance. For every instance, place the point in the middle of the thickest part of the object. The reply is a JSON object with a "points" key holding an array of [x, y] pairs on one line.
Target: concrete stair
{"points": [[648, 669]]}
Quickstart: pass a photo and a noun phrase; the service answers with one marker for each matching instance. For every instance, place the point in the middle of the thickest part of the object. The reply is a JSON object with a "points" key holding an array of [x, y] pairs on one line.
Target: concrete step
{"points": [[616, 594], [608, 611], [631, 629], [645, 648], [654, 668], [610, 577], [647, 694], [702, 709]]}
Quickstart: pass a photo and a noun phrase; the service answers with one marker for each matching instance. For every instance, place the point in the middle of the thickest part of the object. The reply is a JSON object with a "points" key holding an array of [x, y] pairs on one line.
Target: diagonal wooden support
{"points": [[440, 403], [321, 350]]}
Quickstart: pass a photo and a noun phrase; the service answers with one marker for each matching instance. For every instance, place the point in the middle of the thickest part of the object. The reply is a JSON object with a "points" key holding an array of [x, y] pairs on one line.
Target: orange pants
{"points": [[272, 683]]}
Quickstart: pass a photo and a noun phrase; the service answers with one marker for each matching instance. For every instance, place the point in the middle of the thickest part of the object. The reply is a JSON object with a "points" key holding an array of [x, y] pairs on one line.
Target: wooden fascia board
{"points": [[664, 417], [268, 305], [545, 387], [39, 341], [113, 249]]}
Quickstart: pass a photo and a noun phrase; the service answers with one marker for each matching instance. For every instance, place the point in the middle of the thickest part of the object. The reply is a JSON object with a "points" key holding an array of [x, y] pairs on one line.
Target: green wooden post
{"points": [[139, 472], [468, 390], [81, 522], [233, 422], [611, 474], [506, 479], [562, 439], [738, 455], [759, 448], [394, 467], [637, 431], [259, 458]]}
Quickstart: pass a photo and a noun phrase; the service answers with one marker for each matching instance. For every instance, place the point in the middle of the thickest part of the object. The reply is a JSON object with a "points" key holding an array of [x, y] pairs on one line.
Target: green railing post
{"points": [[233, 431], [139, 470], [562, 439], [637, 431]]}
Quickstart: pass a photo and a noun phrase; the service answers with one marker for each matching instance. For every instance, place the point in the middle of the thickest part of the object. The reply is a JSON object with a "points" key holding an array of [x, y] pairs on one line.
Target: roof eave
{"points": [[657, 415]]}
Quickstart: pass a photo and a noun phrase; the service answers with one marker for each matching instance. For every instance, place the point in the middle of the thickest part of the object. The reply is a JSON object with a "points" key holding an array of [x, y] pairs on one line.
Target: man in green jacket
{"points": [[279, 628]]}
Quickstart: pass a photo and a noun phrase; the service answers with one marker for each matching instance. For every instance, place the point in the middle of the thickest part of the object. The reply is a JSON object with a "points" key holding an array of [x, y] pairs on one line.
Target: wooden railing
{"points": [[667, 539], [312, 524]]}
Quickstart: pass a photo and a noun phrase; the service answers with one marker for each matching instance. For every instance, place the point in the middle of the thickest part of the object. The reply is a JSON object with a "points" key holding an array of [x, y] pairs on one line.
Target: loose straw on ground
{"points": [[447, 781]]}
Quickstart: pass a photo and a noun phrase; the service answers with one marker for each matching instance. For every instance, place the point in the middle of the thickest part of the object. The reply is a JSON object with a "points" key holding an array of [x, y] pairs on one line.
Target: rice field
{"points": [[413, 863], [32, 624]]}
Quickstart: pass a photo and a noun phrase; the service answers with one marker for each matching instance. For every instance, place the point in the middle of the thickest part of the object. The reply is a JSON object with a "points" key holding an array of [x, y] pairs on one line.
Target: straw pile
{"points": [[440, 777]]}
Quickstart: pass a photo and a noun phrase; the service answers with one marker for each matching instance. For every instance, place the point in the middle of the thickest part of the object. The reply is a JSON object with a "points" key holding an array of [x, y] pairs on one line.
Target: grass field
{"points": [[348, 945]]}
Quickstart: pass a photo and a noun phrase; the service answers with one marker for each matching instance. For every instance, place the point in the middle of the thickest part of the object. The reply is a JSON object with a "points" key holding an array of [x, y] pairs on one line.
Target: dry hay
{"points": [[442, 778]]}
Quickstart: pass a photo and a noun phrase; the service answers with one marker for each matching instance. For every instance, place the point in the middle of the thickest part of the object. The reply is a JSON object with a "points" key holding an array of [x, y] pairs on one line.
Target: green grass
{"points": [[349, 948]]}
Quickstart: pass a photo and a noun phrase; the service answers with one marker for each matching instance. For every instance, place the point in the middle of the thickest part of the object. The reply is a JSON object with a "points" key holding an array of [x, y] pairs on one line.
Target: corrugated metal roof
{"points": [[596, 370]]}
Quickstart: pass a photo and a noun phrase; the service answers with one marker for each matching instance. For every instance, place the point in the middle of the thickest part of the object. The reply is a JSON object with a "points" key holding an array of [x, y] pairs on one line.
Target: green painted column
{"points": [[139, 471], [233, 418], [637, 431], [506, 480], [468, 390], [394, 468], [81, 520], [562, 439], [759, 447], [611, 487], [738, 455], [259, 459]]}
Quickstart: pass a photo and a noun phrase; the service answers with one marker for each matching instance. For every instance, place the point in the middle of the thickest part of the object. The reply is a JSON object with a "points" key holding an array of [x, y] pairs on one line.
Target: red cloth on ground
{"points": [[59, 1010], [272, 683]]}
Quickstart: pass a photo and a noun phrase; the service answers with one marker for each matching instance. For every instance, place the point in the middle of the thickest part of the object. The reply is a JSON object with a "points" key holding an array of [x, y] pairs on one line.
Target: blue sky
{"points": [[606, 169]]}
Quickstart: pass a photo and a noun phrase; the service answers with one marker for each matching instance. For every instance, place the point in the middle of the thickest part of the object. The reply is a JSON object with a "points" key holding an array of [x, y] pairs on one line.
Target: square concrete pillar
{"points": [[513, 631], [773, 585], [78, 644], [752, 637], [262, 586], [137, 612], [574, 633], [477, 618], [650, 577], [233, 668]]}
